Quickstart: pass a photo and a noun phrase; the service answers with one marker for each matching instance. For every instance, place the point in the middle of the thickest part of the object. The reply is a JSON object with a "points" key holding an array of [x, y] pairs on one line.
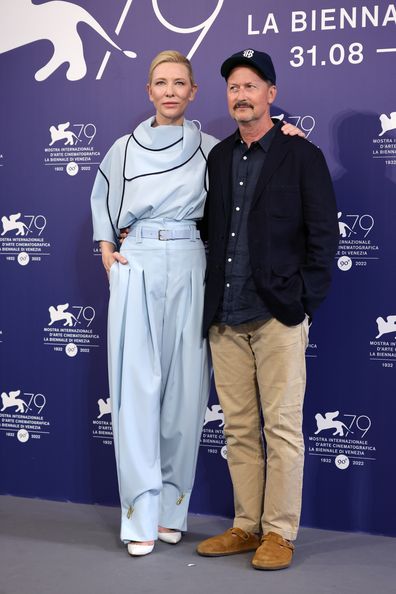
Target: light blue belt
{"points": [[166, 234]]}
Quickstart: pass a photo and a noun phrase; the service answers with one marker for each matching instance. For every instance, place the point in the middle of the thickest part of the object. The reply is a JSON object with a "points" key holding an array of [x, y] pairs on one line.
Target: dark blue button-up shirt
{"points": [[241, 303]]}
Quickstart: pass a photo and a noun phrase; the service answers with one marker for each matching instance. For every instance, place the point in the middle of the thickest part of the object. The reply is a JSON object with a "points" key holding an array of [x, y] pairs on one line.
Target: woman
{"points": [[153, 182]]}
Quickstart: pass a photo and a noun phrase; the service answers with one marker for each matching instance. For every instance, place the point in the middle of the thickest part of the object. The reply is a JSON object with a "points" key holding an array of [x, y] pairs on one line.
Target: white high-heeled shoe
{"points": [[137, 550], [170, 537]]}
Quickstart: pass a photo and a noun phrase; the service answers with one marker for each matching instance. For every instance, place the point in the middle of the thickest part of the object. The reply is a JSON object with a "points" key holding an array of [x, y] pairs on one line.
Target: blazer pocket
{"points": [[285, 202], [286, 270], [287, 282]]}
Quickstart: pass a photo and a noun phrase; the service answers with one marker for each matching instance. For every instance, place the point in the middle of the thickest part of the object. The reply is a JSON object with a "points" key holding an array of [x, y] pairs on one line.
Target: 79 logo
{"points": [[22, 404], [80, 133], [307, 123], [85, 132], [355, 224], [360, 423], [23, 224], [36, 402], [71, 316], [330, 421]]}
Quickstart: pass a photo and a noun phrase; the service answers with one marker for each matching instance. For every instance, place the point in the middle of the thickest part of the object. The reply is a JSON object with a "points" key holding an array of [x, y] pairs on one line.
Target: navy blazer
{"points": [[292, 228]]}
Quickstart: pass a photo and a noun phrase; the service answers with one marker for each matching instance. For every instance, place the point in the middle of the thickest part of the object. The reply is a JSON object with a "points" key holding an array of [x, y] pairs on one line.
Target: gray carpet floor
{"points": [[48, 547]]}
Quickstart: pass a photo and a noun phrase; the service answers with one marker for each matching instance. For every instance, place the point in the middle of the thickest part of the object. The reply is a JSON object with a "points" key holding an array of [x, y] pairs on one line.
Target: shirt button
{"points": [[244, 157], [230, 259], [241, 183], [232, 234], [237, 208], [227, 285]]}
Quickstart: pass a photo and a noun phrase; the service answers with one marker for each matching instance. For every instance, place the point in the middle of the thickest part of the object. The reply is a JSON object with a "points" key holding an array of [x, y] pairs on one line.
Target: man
{"points": [[273, 232]]}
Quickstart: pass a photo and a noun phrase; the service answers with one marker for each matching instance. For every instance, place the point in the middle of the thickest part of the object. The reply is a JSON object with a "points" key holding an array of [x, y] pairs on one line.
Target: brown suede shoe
{"points": [[275, 552], [231, 542]]}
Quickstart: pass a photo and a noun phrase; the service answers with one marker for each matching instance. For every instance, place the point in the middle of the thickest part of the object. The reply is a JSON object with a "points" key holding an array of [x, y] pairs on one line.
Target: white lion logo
{"points": [[387, 124], [12, 399], [22, 22], [214, 414], [385, 326], [104, 407], [328, 422], [59, 313], [60, 133], [12, 224]]}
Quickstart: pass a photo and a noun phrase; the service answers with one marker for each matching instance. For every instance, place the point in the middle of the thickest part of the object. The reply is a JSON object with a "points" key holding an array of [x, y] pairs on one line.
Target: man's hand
{"points": [[109, 255], [291, 130]]}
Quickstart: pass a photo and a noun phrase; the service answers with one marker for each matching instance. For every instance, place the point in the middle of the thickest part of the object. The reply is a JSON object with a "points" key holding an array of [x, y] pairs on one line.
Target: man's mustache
{"points": [[242, 104]]}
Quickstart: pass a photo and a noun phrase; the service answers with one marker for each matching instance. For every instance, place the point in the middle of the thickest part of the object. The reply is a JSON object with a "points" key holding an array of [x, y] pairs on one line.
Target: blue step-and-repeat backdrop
{"points": [[73, 79]]}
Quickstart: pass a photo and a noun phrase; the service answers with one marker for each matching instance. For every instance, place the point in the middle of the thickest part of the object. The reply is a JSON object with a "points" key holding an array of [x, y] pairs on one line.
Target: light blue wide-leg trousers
{"points": [[159, 379]]}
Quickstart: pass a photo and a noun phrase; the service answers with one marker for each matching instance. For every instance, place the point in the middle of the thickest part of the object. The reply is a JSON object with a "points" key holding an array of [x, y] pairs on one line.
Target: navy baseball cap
{"points": [[260, 61]]}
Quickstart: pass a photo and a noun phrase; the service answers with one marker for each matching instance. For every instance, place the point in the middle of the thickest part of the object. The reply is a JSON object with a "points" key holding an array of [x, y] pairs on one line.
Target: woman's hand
{"points": [[291, 130], [123, 234], [109, 255]]}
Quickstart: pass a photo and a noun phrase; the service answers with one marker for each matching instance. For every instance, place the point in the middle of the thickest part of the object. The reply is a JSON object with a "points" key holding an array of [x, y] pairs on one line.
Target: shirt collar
{"points": [[264, 141]]}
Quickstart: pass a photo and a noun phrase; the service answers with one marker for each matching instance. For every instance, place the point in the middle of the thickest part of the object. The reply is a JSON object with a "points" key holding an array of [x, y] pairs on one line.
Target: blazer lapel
{"points": [[276, 154], [225, 169]]}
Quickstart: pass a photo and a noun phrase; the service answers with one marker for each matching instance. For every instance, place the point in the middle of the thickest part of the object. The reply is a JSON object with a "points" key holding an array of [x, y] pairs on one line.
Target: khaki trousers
{"points": [[259, 369]]}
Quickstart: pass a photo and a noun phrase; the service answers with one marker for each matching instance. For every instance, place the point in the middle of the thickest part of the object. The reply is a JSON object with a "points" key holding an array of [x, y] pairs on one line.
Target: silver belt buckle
{"points": [[160, 236]]}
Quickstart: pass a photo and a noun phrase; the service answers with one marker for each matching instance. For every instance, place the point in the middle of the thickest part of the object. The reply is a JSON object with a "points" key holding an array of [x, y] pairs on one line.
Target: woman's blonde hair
{"points": [[174, 57]]}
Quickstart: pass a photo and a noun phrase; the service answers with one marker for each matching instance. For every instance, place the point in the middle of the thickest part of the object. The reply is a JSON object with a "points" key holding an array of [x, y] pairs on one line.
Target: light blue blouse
{"points": [[153, 173]]}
